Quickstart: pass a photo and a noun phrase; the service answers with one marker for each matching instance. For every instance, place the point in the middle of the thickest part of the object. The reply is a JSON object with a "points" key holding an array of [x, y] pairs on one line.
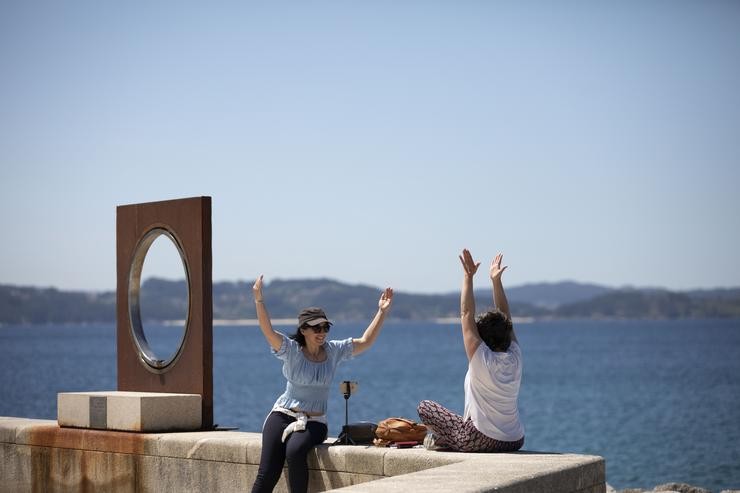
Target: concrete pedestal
{"points": [[129, 411]]}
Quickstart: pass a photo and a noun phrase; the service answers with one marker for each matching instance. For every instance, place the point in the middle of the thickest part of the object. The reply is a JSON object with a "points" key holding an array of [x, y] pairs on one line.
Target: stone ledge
{"points": [[33, 452], [512, 473]]}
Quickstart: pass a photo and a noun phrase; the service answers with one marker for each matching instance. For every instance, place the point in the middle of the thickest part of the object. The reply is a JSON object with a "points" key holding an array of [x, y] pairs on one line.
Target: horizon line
{"points": [[626, 287]]}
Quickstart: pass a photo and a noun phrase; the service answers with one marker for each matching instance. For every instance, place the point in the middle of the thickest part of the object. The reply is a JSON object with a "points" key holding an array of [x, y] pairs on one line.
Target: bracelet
{"points": [[259, 301]]}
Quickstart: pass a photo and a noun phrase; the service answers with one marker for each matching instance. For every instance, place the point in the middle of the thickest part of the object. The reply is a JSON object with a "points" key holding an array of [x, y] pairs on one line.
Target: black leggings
{"points": [[295, 449]]}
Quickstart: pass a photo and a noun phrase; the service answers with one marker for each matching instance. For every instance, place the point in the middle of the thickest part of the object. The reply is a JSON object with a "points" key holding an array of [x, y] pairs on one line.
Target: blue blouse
{"points": [[308, 381]]}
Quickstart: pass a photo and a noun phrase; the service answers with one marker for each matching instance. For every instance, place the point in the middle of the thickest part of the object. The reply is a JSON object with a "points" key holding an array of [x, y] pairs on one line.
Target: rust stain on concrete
{"points": [[69, 459], [121, 442]]}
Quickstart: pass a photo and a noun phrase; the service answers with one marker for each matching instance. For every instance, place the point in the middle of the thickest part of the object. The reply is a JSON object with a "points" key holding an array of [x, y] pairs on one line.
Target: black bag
{"points": [[360, 433]]}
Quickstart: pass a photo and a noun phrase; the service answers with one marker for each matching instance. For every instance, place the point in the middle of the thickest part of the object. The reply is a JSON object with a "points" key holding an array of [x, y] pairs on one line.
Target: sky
{"points": [[369, 142]]}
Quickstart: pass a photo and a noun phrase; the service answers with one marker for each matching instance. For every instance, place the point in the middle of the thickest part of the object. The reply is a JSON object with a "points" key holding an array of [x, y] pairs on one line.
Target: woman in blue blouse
{"points": [[298, 418]]}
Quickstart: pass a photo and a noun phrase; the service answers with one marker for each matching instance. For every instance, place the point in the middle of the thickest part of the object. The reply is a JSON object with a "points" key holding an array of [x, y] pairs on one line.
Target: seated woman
{"points": [[297, 421], [491, 420]]}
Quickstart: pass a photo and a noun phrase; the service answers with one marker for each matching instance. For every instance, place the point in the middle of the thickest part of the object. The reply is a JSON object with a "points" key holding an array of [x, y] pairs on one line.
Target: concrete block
{"points": [[527, 472], [174, 474], [434, 480], [254, 447], [30, 468], [504, 473], [223, 446], [151, 411], [73, 409], [328, 457], [129, 411], [556, 473], [404, 461], [98, 471], [326, 480], [327, 467], [363, 459], [7, 431], [319, 481], [15, 464], [250, 472], [114, 441], [581, 471], [11, 428], [49, 434]]}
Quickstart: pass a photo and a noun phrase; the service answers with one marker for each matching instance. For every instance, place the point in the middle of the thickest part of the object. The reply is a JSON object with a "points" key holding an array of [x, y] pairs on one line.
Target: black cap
{"points": [[312, 316]]}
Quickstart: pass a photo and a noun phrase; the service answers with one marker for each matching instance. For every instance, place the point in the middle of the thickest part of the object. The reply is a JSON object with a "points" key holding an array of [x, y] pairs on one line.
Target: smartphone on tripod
{"points": [[347, 388]]}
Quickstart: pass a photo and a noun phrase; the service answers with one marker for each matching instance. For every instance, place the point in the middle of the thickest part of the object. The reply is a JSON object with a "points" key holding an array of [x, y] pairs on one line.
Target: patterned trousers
{"points": [[458, 434]]}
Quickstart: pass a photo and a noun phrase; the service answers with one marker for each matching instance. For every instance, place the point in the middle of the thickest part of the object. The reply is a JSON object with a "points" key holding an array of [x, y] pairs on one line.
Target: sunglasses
{"points": [[318, 329]]}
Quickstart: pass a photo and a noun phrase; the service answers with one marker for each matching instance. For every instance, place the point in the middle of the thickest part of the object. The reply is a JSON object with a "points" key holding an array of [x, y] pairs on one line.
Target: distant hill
{"points": [[27, 305], [653, 303], [166, 300], [717, 293], [554, 294]]}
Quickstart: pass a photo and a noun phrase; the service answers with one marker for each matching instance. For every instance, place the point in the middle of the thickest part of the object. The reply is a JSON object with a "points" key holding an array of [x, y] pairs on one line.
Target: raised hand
{"points": [[257, 289], [386, 299], [496, 270], [469, 265]]}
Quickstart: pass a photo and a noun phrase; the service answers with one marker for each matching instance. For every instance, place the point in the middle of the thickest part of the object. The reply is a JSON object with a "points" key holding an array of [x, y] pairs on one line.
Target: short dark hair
{"points": [[496, 330]]}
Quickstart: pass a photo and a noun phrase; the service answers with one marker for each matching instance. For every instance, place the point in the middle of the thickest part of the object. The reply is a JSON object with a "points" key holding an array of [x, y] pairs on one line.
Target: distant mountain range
{"points": [[166, 300]]}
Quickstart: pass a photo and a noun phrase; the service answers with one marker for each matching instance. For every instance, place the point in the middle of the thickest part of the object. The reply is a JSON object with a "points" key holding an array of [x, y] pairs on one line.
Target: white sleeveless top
{"points": [[491, 392]]}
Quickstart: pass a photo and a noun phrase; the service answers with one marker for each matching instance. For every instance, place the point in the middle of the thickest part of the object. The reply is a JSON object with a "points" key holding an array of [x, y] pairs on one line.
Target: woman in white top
{"points": [[491, 420]]}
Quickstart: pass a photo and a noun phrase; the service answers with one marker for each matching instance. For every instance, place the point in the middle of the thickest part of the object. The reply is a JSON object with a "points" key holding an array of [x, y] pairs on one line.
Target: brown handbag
{"points": [[400, 430]]}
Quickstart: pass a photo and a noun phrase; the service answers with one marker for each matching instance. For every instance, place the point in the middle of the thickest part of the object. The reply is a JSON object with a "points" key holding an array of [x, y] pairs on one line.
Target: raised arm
{"points": [[471, 338], [273, 338], [499, 296], [372, 331]]}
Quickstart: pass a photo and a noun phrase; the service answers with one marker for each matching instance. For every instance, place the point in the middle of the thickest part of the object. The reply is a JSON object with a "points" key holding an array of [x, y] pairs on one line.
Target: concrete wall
{"points": [[38, 456]]}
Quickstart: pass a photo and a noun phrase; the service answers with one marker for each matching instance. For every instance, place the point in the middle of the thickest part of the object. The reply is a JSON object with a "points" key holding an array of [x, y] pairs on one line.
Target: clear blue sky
{"points": [[370, 141]]}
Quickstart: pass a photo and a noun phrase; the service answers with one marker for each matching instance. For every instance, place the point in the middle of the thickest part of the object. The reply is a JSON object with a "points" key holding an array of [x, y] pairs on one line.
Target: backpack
{"points": [[400, 430]]}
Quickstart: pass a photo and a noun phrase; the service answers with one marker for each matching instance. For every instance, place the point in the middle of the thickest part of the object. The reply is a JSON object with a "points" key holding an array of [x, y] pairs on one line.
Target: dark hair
{"points": [[496, 329], [309, 318], [298, 336]]}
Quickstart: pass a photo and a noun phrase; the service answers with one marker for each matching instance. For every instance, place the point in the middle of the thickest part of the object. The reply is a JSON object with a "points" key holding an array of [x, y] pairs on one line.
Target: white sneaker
{"points": [[431, 442]]}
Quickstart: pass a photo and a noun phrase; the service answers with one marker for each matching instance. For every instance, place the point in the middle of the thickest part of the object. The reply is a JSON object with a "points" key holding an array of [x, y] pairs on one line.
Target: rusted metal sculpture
{"points": [[187, 222]]}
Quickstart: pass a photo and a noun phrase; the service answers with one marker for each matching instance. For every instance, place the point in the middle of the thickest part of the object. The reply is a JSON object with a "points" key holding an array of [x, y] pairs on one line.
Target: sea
{"points": [[659, 400]]}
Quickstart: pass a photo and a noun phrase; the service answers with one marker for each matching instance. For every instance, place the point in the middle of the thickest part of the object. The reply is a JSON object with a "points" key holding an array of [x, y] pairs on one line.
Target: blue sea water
{"points": [[660, 400]]}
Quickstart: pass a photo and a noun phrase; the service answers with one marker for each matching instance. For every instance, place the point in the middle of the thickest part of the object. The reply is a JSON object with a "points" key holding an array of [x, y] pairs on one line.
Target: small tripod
{"points": [[346, 387]]}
